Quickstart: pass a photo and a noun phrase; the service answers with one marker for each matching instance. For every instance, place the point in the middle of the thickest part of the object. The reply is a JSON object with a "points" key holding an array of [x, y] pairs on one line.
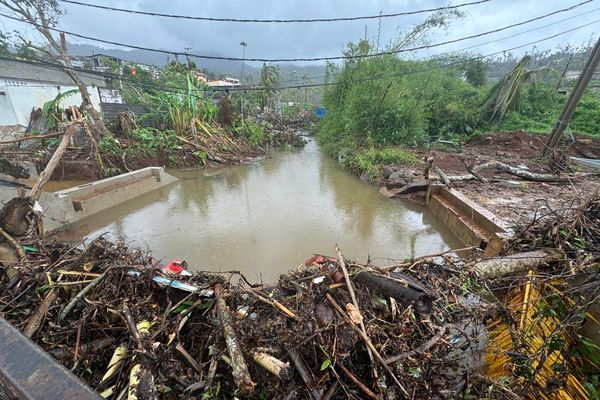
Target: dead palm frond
{"points": [[505, 95]]}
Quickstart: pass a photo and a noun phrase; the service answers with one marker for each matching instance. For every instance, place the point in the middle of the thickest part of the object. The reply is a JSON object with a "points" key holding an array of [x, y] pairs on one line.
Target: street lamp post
{"points": [[244, 45]]}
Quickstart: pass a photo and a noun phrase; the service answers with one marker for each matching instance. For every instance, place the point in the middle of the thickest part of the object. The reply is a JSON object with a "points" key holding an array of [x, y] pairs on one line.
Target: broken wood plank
{"points": [[499, 266], [240, 372]]}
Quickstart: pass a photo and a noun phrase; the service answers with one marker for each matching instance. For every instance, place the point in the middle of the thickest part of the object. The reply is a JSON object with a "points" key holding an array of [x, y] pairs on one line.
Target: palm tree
{"points": [[507, 93], [269, 83]]}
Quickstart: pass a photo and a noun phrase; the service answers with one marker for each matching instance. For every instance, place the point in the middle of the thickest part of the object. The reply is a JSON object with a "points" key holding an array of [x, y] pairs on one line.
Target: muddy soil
{"points": [[512, 199]]}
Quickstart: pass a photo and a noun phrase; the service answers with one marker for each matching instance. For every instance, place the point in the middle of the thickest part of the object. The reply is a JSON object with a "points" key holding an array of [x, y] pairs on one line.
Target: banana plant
{"points": [[52, 110]]}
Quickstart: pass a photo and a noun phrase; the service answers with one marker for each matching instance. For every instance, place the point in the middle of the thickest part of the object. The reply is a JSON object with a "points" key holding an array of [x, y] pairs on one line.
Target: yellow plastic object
{"points": [[113, 366], [528, 336], [136, 372]]}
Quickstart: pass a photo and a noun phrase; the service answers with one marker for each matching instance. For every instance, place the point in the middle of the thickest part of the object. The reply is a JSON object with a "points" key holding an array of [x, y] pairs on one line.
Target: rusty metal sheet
{"points": [[30, 373]]}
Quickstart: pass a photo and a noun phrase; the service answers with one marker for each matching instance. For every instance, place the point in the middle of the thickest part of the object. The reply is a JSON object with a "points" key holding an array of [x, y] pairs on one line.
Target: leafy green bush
{"points": [[389, 155], [150, 139], [370, 161], [375, 102], [418, 103], [257, 133], [108, 144], [541, 109], [586, 118]]}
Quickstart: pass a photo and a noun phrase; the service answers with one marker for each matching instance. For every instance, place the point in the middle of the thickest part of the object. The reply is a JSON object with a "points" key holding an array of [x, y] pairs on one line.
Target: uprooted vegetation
{"points": [[178, 130]]}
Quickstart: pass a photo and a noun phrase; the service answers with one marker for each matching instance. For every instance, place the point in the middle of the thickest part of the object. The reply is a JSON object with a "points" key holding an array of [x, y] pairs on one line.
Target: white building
{"points": [[25, 85]]}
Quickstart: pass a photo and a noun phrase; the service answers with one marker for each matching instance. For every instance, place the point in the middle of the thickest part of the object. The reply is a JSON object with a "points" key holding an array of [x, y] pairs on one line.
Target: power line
{"points": [[483, 43], [452, 64], [253, 88], [312, 59], [212, 19]]}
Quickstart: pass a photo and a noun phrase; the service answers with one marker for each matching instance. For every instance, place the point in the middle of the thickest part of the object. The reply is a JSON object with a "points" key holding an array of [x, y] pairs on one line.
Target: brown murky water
{"points": [[265, 219]]}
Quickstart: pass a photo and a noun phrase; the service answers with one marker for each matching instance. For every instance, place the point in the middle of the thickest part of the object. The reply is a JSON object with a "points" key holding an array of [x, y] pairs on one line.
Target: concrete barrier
{"points": [[68, 206], [469, 222]]}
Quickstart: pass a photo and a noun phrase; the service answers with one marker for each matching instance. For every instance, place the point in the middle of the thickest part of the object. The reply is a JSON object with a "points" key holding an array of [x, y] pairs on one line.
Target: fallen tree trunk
{"points": [[44, 177], [32, 137], [240, 372], [521, 173], [499, 266]]}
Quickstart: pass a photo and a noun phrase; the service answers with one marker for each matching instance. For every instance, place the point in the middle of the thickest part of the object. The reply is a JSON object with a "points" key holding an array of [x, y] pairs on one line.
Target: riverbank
{"points": [[130, 147], [530, 186]]}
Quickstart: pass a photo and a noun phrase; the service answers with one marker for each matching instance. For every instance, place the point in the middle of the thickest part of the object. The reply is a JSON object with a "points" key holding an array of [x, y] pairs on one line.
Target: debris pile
{"points": [[545, 341], [432, 327], [119, 322]]}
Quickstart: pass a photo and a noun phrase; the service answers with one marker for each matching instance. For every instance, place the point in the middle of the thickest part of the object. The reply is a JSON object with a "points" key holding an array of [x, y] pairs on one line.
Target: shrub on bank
{"points": [[384, 101], [371, 160]]}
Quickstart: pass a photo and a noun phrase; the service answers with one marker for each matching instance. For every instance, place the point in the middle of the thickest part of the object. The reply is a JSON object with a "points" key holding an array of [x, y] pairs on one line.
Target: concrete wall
{"points": [[19, 71], [472, 224], [69, 206], [17, 101]]}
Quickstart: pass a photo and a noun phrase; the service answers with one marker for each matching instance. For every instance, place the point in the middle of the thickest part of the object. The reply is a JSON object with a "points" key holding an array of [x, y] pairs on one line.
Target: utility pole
{"points": [[187, 50], [244, 45], [379, 31], [584, 78]]}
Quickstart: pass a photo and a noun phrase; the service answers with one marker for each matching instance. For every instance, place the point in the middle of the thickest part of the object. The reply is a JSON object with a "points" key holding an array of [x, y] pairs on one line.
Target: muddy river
{"points": [[266, 218]]}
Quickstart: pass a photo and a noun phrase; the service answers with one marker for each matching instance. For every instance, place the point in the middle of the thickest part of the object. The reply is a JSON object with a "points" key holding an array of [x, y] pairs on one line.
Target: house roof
{"points": [[221, 83]]}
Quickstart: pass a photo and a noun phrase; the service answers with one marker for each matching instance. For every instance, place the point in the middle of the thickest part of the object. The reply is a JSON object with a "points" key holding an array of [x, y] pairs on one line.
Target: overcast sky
{"points": [[316, 39]]}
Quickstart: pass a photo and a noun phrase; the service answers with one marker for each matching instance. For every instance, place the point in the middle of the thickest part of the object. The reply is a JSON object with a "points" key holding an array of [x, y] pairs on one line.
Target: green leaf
{"points": [[592, 391], [183, 306], [43, 288], [325, 364], [30, 249]]}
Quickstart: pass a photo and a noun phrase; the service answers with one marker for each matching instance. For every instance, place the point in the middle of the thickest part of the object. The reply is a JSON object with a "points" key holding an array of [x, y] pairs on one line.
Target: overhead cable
{"points": [[311, 59], [255, 88], [254, 20]]}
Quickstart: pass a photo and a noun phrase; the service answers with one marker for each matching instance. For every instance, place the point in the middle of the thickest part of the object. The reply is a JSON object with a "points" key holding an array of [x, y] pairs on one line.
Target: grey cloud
{"points": [[308, 40]]}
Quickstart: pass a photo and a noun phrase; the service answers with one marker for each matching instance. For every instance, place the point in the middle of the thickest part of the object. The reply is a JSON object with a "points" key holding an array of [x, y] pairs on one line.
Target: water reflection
{"points": [[266, 218]]}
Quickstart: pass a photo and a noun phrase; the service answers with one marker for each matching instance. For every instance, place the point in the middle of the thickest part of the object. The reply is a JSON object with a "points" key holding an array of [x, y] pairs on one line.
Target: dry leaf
{"points": [[354, 314]]}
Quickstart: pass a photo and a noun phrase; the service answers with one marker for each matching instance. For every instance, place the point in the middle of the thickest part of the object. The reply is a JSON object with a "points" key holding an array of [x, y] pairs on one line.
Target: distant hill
{"points": [[218, 67]]}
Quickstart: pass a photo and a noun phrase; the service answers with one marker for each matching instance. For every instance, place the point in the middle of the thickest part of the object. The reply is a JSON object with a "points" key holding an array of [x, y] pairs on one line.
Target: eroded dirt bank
{"points": [[514, 199]]}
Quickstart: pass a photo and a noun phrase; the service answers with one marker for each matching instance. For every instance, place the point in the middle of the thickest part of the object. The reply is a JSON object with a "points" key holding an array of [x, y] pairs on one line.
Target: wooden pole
{"points": [[580, 86]]}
